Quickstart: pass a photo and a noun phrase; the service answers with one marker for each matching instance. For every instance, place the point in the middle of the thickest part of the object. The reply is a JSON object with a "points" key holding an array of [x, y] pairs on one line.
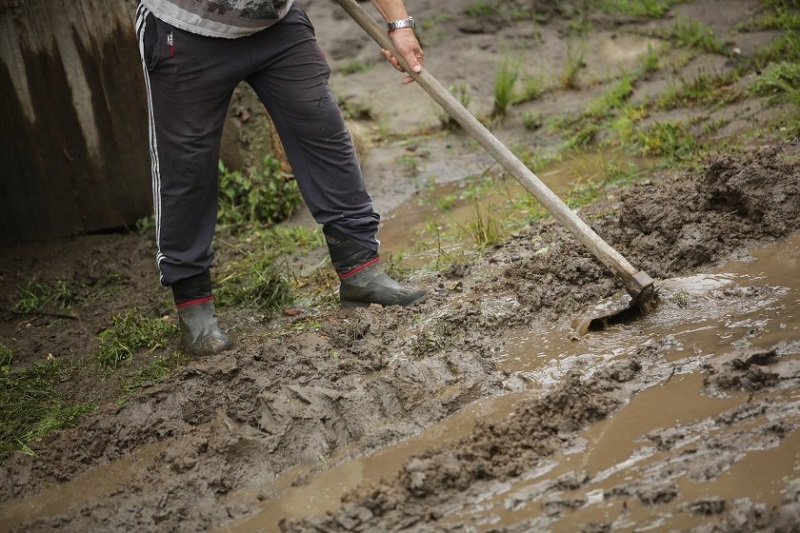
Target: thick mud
{"points": [[365, 380], [479, 409]]}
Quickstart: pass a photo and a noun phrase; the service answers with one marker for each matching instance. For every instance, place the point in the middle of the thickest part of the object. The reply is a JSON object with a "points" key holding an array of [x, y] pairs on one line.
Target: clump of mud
{"points": [[669, 225], [492, 451]]}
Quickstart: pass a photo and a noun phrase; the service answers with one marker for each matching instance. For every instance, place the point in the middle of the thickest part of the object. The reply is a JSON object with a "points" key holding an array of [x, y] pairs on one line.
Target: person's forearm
{"points": [[391, 10]]}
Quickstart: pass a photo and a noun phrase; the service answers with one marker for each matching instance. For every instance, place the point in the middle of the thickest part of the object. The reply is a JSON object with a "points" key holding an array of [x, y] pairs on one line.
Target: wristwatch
{"points": [[404, 23]]}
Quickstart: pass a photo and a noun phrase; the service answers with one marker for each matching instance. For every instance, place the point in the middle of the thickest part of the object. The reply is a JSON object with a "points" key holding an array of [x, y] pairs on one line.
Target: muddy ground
{"points": [[477, 410]]}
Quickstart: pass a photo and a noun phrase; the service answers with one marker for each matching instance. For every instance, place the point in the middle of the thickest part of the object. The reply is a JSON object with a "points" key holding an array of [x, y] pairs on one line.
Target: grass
{"points": [[613, 173], [130, 333], [35, 296], [532, 88], [485, 229], [705, 89], [638, 8], [264, 195], [692, 34], [651, 61], [781, 82], [482, 9], [30, 408], [671, 140], [505, 80], [613, 99], [354, 66], [575, 56], [784, 48]]}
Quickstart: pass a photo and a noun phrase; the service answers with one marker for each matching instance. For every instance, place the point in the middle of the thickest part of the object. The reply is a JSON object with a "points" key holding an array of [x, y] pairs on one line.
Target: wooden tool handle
{"points": [[635, 281]]}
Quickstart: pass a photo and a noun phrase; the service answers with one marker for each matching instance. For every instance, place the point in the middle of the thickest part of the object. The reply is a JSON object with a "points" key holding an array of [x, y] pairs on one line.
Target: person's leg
{"points": [[189, 81], [291, 78]]}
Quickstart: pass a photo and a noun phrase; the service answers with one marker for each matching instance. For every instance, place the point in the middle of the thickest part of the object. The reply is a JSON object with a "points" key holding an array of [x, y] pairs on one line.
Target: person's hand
{"points": [[406, 44]]}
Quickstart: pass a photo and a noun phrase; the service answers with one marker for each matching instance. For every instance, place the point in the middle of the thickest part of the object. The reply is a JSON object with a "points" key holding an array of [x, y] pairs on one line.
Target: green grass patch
{"points": [[264, 195], [670, 140], [613, 173], [130, 333], [505, 80], [255, 281], [704, 89], [35, 296], [482, 9], [576, 54], [638, 8], [29, 407], [651, 61], [353, 66], [778, 78], [784, 48], [613, 99], [690, 33]]}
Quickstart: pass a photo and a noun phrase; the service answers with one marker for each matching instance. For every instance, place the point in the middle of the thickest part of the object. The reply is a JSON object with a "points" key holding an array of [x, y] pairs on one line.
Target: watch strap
{"points": [[403, 23]]}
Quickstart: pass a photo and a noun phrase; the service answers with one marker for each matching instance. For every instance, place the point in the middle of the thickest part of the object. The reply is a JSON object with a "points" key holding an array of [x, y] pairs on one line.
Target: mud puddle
{"points": [[454, 207], [694, 444]]}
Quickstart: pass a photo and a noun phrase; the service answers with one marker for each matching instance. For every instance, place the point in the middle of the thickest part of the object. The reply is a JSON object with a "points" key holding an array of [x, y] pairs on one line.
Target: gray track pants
{"points": [[190, 80]]}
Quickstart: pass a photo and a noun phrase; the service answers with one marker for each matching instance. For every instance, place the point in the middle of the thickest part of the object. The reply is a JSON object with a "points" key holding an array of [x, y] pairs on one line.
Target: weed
{"points": [[638, 8], [611, 174], [34, 296], [681, 299], [129, 333], [671, 140], [778, 78], [576, 53], [433, 339], [409, 164], [693, 34], [482, 9], [145, 225], [353, 66], [29, 407], [255, 281], [705, 89], [532, 121], [613, 99], [583, 136], [484, 229], [356, 111], [781, 81], [779, 18], [260, 196], [532, 88], [651, 61], [505, 79]]}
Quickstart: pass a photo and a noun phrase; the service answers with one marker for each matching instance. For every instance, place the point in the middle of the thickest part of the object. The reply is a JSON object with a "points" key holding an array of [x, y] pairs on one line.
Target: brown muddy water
{"points": [[741, 307]]}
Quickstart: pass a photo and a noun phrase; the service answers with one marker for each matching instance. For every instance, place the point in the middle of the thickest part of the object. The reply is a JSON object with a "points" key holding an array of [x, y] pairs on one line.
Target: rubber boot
{"points": [[362, 280], [200, 330]]}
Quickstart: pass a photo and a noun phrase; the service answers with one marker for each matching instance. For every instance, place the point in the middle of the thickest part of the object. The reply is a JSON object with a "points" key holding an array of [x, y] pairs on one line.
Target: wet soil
{"points": [[478, 410]]}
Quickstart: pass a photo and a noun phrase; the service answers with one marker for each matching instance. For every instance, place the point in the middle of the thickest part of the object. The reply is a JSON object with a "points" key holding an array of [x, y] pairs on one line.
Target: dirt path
{"points": [[475, 411]]}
